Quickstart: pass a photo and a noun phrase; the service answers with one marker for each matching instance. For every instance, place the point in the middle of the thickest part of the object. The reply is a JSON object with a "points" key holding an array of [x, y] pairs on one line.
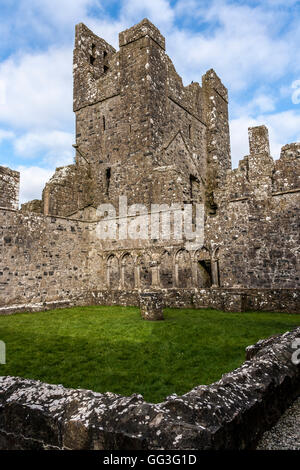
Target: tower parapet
{"points": [[141, 30]]}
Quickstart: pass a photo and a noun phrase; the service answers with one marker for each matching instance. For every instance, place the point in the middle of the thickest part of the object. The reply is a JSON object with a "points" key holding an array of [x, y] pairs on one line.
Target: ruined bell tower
{"points": [[139, 131]]}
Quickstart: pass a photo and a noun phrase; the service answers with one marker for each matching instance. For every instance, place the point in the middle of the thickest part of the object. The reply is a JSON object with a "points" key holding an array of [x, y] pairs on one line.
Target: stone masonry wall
{"points": [[230, 300], [43, 259], [70, 189], [255, 235], [9, 188]]}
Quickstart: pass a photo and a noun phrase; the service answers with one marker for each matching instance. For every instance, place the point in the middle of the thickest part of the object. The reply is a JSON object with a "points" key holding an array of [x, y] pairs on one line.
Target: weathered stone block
{"points": [[9, 188], [259, 140], [151, 305]]}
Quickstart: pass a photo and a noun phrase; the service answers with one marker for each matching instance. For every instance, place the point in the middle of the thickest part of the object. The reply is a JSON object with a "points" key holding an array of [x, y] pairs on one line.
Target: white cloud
{"points": [[263, 103], [32, 182], [6, 135], [38, 89], [46, 20], [159, 12], [108, 29], [60, 12], [56, 146], [259, 104], [286, 3], [244, 46], [239, 138]]}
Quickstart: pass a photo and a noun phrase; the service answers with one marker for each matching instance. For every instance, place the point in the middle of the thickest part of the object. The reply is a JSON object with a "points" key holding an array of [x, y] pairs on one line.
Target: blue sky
{"points": [[252, 45]]}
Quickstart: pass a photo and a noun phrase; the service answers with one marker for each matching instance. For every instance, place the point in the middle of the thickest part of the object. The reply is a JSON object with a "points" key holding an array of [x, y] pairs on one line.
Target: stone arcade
{"points": [[140, 133]]}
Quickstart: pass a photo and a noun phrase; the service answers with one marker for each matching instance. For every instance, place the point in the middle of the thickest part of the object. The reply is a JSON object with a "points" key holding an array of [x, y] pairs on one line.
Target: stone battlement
{"points": [[258, 175]]}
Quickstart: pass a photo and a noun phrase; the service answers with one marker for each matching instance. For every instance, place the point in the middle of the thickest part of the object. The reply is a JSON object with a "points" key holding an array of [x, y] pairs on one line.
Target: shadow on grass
{"points": [[112, 349]]}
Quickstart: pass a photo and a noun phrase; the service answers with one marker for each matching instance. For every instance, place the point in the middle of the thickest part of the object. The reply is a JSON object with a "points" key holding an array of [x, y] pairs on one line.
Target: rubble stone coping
{"points": [[229, 414]]}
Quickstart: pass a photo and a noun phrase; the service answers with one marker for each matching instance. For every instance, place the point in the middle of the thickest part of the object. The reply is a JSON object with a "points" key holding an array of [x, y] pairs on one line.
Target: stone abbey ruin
{"points": [[140, 133]]}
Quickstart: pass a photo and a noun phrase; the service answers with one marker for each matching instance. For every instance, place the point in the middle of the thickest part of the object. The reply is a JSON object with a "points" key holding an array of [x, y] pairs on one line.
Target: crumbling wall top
{"points": [[140, 30], [290, 151], [259, 140], [210, 79]]}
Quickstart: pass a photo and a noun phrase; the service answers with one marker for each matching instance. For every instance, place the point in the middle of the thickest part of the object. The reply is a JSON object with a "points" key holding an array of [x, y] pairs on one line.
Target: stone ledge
{"points": [[36, 307], [229, 414], [286, 300]]}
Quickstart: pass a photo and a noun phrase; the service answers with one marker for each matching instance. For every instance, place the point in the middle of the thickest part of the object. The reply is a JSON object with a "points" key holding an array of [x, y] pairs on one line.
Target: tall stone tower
{"points": [[139, 131]]}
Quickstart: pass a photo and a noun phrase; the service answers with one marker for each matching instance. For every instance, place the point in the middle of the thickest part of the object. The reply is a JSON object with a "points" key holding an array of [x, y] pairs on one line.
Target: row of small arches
{"points": [[179, 269]]}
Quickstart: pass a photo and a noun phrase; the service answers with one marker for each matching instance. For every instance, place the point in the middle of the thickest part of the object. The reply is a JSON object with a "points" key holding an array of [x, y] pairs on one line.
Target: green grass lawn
{"points": [[112, 349]]}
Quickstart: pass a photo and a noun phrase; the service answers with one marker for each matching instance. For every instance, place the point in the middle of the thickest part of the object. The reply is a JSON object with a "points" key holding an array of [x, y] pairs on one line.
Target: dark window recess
{"points": [[193, 182], [107, 178], [105, 68], [190, 131], [103, 121], [104, 54], [92, 56], [206, 265]]}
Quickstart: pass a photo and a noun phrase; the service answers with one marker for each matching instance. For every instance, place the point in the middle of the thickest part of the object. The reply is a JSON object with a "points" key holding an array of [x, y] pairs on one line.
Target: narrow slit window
{"points": [[92, 56], [192, 184], [103, 122], [107, 177]]}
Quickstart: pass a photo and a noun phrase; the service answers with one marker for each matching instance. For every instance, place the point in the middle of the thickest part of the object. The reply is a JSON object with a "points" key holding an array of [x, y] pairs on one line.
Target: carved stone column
{"points": [[194, 273], [155, 274], [215, 273], [137, 276]]}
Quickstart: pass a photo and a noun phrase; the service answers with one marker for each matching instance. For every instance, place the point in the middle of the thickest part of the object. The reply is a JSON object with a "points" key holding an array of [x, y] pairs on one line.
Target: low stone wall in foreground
{"points": [[228, 414]]}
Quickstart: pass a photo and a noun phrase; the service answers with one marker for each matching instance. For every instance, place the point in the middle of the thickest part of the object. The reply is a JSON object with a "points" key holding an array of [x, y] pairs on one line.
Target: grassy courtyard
{"points": [[112, 349]]}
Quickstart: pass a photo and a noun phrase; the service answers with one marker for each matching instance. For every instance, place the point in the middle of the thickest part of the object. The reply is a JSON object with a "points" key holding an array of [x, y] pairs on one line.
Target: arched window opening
{"points": [[204, 273]]}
